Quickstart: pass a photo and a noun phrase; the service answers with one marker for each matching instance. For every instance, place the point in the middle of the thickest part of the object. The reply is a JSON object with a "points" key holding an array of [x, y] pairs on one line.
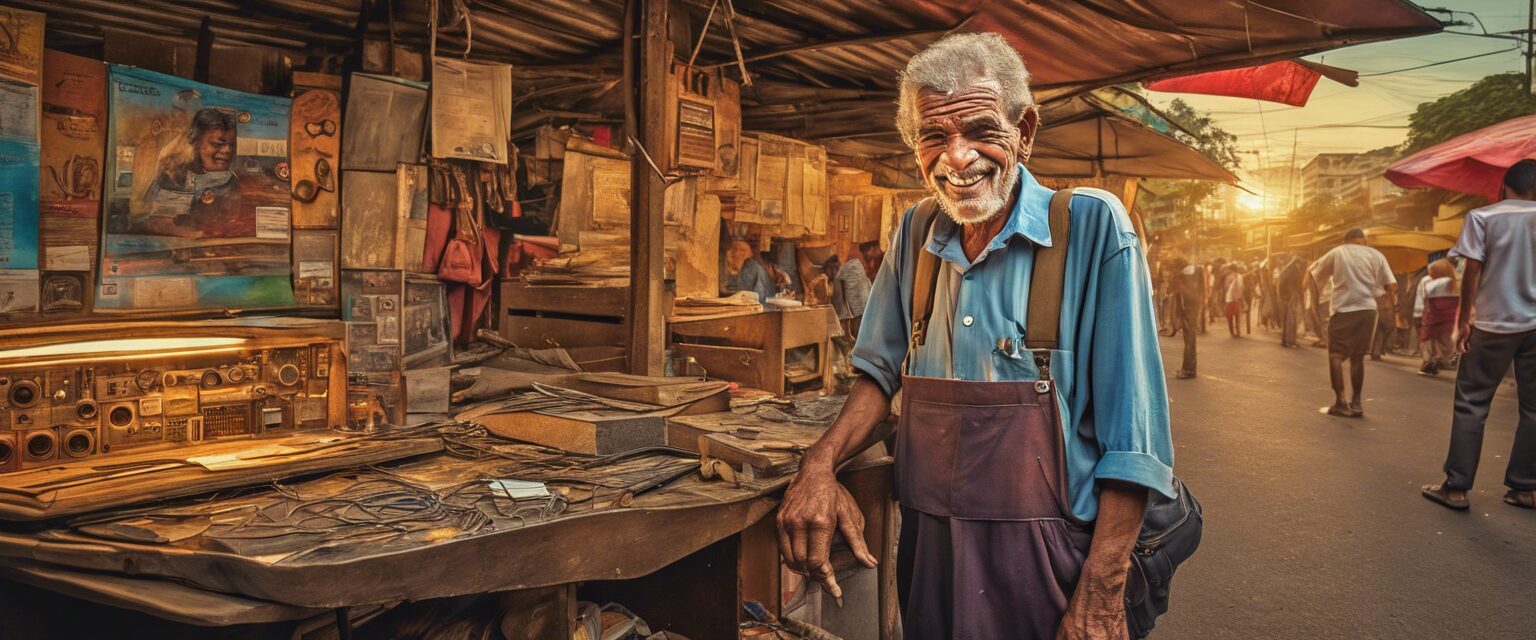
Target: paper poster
{"points": [[385, 121], [18, 111], [197, 196], [471, 110], [73, 137], [18, 292], [21, 45], [18, 206]]}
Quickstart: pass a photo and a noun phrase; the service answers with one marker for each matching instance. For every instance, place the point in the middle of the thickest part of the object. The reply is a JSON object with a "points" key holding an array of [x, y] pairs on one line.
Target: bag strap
{"points": [[1043, 322], [925, 275]]}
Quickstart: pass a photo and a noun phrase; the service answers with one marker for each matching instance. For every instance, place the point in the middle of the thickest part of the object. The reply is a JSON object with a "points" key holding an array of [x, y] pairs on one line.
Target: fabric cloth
{"points": [[752, 277], [1112, 389], [1289, 285], [1359, 274], [1439, 308], [1290, 318], [990, 553], [850, 290], [1502, 236], [1350, 333], [1233, 308], [1482, 369], [938, 558]]}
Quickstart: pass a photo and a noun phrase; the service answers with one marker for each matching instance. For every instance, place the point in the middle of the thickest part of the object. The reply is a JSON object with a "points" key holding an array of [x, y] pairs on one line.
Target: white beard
{"points": [[988, 206]]}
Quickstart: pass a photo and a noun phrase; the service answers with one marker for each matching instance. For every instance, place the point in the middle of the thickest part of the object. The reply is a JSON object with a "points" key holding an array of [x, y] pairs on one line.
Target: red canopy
{"points": [[1287, 81], [1471, 163]]}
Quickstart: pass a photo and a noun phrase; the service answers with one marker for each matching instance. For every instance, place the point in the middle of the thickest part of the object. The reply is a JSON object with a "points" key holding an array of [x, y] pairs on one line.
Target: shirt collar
{"points": [[1029, 218]]}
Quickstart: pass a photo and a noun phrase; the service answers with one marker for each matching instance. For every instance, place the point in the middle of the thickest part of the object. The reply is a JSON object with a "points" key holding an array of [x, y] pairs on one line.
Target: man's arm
{"points": [[816, 505], [1097, 609], [1471, 276]]}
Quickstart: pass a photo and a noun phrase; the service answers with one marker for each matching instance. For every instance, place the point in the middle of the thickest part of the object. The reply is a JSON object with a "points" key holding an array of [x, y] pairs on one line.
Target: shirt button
{"points": [[967, 321], [970, 276]]}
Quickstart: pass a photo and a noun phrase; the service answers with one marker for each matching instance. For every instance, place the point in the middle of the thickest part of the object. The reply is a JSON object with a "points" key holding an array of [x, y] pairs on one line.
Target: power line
{"points": [[1436, 64]]}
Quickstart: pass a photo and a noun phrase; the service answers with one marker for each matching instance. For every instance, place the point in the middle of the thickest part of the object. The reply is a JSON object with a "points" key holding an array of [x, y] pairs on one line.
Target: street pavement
{"points": [[1314, 526]]}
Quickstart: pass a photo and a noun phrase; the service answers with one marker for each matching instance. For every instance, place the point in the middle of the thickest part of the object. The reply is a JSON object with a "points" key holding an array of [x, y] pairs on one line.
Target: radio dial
{"points": [[211, 379], [288, 375]]}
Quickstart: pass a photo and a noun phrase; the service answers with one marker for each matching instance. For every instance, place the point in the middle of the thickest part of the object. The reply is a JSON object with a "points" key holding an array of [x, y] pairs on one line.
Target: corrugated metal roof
{"points": [[849, 48]]}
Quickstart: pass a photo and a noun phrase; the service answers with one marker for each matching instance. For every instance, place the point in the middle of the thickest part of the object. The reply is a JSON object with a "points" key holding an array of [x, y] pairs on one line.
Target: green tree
{"points": [[1207, 138], [1489, 101]]}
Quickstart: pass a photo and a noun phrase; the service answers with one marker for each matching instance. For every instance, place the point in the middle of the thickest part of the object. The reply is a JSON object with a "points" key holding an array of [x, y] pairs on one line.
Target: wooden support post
{"points": [[647, 339]]}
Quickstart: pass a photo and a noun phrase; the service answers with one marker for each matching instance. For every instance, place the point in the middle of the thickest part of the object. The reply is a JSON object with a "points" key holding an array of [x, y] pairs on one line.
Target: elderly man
{"points": [[1023, 474], [1359, 275]]}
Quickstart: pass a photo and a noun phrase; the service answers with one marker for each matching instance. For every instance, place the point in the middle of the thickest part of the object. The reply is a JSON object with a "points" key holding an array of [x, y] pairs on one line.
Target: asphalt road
{"points": [[1314, 525]]}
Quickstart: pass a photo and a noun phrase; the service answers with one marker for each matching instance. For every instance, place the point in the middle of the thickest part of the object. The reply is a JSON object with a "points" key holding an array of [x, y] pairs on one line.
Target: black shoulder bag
{"points": [[1171, 528]]}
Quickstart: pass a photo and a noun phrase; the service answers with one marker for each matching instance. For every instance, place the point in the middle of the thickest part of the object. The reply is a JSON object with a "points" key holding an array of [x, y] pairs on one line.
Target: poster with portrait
{"points": [[197, 197]]}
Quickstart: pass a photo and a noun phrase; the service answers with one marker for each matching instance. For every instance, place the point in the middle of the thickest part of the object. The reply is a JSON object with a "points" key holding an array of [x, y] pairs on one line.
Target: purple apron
{"points": [[988, 548]]}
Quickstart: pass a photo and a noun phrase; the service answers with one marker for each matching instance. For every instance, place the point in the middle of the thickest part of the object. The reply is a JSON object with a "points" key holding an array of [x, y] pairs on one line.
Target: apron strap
{"points": [[1043, 322]]}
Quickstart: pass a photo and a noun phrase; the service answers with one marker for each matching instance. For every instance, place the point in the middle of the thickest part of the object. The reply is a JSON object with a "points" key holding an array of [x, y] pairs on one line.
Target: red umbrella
{"points": [[1287, 81], [1470, 163]]}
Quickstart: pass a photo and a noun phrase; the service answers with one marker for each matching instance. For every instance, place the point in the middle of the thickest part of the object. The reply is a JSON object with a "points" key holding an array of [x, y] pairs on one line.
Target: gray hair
{"points": [[958, 61]]}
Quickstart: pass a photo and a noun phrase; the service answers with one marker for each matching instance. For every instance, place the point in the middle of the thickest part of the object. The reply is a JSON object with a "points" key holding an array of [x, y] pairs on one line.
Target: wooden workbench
{"points": [[751, 349], [683, 557]]}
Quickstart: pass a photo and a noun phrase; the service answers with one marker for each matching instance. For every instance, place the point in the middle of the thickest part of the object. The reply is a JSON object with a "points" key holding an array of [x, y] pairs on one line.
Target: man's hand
{"points": [[1463, 335], [1096, 621], [816, 505], [1097, 609]]}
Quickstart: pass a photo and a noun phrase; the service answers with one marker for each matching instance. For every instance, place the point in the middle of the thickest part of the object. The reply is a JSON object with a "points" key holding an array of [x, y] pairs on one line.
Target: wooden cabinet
{"points": [[776, 351]]}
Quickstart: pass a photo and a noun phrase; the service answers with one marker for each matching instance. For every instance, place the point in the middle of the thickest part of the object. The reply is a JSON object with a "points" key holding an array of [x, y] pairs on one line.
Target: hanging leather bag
{"points": [[461, 257]]}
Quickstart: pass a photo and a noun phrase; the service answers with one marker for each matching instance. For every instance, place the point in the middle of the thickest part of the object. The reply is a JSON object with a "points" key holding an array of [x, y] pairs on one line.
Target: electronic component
{"points": [[107, 396]]}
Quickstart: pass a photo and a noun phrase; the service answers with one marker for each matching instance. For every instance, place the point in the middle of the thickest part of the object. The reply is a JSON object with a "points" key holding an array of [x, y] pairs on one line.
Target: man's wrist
{"points": [[818, 459]]}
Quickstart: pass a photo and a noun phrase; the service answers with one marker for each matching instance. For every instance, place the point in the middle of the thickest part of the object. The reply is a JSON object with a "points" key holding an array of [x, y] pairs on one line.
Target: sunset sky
{"points": [[1384, 102]]}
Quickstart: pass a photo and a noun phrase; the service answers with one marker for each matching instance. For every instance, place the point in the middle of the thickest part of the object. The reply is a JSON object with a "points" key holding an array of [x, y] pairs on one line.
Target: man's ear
{"points": [[1029, 125]]}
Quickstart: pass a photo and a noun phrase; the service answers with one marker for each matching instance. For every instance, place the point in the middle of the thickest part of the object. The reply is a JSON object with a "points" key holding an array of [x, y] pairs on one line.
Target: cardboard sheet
{"points": [[74, 128], [471, 110], [385, 121]]}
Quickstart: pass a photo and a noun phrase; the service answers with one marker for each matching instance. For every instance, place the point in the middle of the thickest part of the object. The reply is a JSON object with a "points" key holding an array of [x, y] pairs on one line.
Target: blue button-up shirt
{"points": [[1107, 367]]}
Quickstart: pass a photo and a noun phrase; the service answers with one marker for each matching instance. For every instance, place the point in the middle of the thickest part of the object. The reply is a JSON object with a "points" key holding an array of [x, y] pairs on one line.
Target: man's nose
{"points": [[959, 153]]}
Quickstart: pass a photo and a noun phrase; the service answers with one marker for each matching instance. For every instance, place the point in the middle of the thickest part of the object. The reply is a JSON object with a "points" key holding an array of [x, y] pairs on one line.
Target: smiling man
{"points": [[1026, 448]]}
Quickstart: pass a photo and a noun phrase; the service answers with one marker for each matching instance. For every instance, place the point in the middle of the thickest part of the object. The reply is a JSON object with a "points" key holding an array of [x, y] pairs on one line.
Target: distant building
{"points": [[1349, 177]]}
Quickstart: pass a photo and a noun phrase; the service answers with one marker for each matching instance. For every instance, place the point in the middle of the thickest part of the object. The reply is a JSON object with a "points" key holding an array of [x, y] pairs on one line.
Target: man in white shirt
{"points": [[1359, 276], [1498, 285]]}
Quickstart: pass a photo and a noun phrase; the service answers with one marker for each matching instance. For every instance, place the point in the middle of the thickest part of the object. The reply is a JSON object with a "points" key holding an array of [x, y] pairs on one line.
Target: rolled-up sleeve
{"points": [[1129, 393], [885, 332]]}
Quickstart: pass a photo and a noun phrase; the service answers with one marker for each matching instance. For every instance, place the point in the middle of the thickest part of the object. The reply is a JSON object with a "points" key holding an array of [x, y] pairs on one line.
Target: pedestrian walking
{"points": [[999, 457], [1437, 322], [1495, 326], [1359, 275], [1233, 309], [1386, 326], [1288, 289], [1189, 296]]}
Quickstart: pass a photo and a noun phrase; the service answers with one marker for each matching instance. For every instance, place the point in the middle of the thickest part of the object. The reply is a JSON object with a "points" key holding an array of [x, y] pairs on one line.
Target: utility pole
{"points": [[1530, 47]]}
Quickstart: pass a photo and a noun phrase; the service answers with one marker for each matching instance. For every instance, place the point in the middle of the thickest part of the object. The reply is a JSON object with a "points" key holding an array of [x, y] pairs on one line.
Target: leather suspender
{"points": [[1047, 284], [1042, 324]]}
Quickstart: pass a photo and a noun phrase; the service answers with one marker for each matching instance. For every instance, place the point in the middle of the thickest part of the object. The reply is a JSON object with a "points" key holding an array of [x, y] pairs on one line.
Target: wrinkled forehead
{"points": [[982, 97]]}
